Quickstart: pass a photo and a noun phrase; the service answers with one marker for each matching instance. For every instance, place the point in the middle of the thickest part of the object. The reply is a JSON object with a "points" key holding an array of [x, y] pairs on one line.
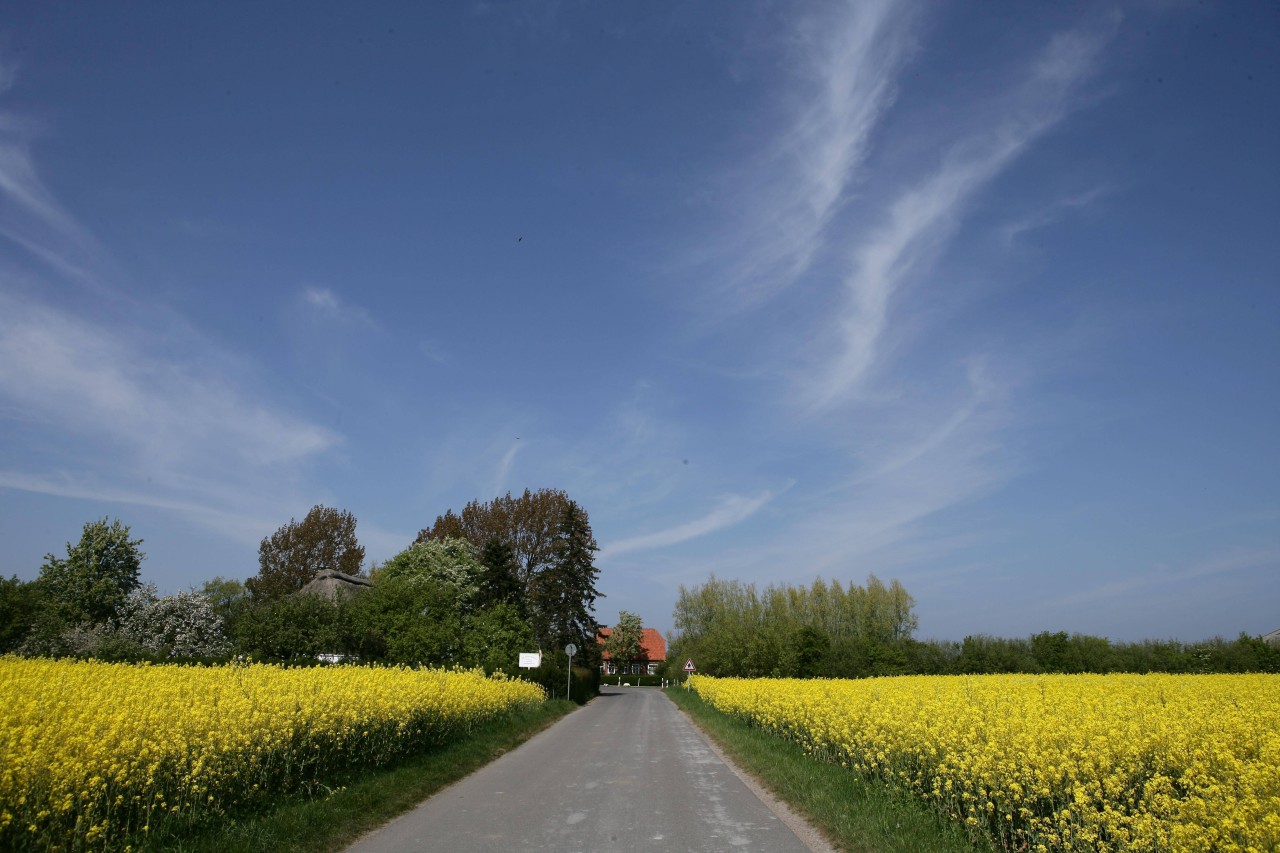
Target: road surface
{"points": [[626, 773]]}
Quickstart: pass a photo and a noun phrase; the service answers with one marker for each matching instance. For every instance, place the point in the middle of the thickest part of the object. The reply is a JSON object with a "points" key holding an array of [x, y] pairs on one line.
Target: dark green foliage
{"points": [[296, 628], [564, 594], [228, 598], [500, 582], [809, 647], [97, 575], [983, 654], [410, 619], [289, 558], [21, 604]]}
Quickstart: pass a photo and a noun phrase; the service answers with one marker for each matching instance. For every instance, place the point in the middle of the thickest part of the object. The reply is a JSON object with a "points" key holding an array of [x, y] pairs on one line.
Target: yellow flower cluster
{"points": [[90, 752], [1050, 762]]}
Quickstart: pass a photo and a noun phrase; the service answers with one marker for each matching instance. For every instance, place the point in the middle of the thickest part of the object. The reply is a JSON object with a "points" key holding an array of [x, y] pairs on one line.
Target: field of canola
{"points": [[1050, 762], [92, 751]]}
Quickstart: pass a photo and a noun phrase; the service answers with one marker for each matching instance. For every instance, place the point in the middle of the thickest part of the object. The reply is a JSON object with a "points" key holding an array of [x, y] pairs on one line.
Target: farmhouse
{"points": [[653, 651]]}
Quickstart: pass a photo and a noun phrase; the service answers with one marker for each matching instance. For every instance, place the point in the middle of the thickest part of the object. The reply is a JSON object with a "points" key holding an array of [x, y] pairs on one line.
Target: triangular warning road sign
{"points": [[688, 665]]}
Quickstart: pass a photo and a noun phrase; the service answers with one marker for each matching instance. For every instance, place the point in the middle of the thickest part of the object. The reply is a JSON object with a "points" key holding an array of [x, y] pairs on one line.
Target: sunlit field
{"points": [[1050, 762], [90, 752]]}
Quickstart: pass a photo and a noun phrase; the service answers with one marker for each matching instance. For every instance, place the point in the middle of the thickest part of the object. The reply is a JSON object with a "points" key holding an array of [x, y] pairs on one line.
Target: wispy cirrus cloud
{"points": [[920, 219], [1225, 562], [848, 62], [503, 473], [732, 510], [125, 406], [327, 306], [89, 380]]}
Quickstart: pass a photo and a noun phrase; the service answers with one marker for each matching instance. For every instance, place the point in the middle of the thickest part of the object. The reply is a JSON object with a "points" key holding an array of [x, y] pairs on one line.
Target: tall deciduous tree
{"points": [[527, 524], [623, 643], [95, 579], [289, 558]]}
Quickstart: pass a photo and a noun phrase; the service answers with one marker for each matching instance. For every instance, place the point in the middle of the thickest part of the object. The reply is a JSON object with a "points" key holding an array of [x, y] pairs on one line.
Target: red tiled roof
{"points": [[652, 646]]}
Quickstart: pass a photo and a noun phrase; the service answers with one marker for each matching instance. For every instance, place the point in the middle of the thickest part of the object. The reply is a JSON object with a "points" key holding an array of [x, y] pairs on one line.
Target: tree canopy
{"points": [[623, 642], [289, 558], [98, 574], [553, 558], [527, 524]]}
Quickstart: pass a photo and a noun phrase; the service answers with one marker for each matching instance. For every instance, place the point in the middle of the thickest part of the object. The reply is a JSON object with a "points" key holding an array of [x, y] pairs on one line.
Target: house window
{"points": [[610, 668], [653, 669]]}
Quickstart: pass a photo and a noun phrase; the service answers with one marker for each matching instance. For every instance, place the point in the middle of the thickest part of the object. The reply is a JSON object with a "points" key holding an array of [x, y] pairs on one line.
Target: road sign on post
{"points": [[569, 650], [689, 667]]}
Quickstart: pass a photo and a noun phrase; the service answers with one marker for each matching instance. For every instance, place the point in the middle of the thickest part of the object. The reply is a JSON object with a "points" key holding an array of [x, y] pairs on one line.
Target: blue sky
{"points": [[982, 297]]}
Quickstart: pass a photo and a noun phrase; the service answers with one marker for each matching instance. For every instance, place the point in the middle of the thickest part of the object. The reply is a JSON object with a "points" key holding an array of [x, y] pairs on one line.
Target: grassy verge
{"points": [[361, 801], [856, 815]]}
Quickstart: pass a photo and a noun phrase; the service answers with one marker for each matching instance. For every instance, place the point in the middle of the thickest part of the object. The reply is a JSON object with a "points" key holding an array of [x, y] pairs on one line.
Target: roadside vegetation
{"points": [[1135, 763], [856, 814], [334, 818], [95, 752]]}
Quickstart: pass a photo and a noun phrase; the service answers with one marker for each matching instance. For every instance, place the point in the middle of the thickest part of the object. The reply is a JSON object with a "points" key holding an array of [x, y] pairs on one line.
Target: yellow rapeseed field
{"points": [[92, 751], [1050, 762]]}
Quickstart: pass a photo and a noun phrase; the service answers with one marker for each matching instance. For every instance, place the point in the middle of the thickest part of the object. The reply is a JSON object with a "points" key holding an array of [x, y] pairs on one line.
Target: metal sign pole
{"points": [[569, 650]]}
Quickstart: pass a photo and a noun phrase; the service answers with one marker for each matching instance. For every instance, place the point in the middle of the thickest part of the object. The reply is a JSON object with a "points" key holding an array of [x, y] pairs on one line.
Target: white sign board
{"points": [[530, 660]]}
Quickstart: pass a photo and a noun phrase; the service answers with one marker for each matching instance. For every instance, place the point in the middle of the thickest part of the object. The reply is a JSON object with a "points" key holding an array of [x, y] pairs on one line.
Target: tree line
{"points": [[475, 589], [830, 630]]}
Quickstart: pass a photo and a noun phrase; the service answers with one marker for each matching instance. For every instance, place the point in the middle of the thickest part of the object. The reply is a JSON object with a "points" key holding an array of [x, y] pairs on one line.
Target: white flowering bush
{"points": [[175, 626]]}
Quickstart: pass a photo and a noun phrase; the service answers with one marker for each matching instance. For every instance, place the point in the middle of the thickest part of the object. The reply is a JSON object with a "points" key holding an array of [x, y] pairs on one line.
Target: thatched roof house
{"points": [[1273, 637], [334, 585]]}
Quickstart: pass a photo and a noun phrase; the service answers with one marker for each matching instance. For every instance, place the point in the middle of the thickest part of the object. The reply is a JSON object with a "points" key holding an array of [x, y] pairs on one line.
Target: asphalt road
{"points": [[628, 772]]}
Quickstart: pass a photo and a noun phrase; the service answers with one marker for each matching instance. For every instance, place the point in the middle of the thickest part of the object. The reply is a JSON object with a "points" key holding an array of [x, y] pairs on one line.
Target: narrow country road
{"points": [[626, 773]]}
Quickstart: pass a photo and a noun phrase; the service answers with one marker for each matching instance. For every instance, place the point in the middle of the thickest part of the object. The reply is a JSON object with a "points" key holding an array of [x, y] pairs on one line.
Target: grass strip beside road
{"points": [[855, 814], [365, 800]]}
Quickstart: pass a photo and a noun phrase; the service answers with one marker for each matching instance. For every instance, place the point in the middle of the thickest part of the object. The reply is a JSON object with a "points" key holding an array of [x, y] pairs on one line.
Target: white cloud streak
{"points": [[504, 467], [733, 510], [1234, 560], [921, 219], [327, 306], [91, 381], [140, 412], [850, 62]]}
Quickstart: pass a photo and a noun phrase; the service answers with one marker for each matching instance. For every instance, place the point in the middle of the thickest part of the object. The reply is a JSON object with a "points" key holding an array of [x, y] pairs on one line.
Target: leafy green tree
{"points": [[809, 650], [289, 558], [96, 577], [528, 524], [450, 562], [495, 637], [411, 619], [228, 598], [623, 643], [294, 628], [21, 606]]}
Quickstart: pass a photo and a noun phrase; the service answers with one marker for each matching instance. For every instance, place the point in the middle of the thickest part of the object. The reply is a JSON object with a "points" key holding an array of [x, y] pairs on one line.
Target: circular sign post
{"points": [[569, 650]]}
